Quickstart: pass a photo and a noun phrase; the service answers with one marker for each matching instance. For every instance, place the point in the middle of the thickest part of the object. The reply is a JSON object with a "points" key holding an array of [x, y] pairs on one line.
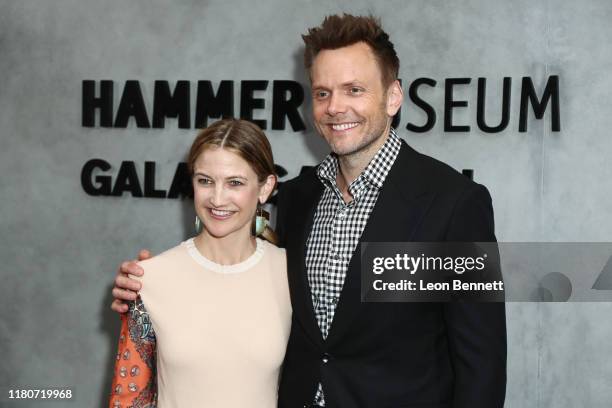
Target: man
{"points": [[374, 188]]}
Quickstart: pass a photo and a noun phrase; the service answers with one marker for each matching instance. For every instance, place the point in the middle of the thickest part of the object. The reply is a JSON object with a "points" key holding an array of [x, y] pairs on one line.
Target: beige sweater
{"points": [[220, 331]]}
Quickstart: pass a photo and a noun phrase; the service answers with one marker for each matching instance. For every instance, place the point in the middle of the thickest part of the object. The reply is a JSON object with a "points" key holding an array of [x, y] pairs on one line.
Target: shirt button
{"points": [[335, 256], [335, 300], [325, 358], [342, 214]]}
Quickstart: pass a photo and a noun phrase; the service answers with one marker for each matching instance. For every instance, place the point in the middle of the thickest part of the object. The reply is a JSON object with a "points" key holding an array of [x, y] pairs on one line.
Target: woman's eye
{"points": [[204, 181], [236, 183]]}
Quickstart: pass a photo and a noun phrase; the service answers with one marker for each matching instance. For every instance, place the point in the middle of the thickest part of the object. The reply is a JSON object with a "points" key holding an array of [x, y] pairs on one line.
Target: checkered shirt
{"points": [[336, 230]]}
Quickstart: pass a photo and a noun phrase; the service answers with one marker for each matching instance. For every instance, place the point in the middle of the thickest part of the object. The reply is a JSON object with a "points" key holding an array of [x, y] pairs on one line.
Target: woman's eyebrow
{"points": [[199, 173]]}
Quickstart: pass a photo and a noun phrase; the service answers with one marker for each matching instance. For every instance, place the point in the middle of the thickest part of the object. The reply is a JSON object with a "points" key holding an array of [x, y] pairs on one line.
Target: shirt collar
{"points": [[375, 172]]}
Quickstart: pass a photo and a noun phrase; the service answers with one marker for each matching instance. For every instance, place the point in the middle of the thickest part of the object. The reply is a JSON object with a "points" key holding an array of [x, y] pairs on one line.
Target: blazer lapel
{"points": [[303, 211], [399, 209]]}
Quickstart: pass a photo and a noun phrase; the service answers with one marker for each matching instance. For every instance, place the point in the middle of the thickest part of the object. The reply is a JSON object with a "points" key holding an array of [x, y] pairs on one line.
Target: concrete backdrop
{"points": [[60, 247]]}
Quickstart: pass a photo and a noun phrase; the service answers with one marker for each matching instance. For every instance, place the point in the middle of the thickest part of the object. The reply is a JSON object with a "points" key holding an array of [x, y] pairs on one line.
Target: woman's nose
{"points": [[218, 197]]}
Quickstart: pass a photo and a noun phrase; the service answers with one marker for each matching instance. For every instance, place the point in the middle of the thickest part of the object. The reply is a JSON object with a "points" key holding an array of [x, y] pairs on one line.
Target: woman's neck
{"points": [[229, 250]]}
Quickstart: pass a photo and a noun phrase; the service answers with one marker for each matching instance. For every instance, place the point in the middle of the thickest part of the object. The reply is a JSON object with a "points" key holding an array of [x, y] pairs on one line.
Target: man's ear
{"points": [[395, 97], [266, 189]]}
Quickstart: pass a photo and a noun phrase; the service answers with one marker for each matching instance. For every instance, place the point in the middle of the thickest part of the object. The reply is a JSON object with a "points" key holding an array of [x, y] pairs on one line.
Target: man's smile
{"points": [[340, 127]]}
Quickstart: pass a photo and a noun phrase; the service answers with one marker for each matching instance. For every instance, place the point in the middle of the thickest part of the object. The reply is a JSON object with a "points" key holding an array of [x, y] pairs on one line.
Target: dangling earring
{"points": [[261, 220], [198, 225]]}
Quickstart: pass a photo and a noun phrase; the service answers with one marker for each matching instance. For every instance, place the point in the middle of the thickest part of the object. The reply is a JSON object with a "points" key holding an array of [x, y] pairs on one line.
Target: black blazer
{"points": [[380, 355]]}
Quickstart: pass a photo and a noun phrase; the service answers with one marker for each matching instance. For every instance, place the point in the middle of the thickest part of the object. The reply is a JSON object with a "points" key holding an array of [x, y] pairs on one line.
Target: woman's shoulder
{"points": [[164, 260], [272, 250], [276, 258]]}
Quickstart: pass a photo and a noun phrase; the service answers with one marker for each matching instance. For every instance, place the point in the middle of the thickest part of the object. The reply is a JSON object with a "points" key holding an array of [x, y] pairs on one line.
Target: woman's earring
{"points": [[198, 225], [261, 220]]}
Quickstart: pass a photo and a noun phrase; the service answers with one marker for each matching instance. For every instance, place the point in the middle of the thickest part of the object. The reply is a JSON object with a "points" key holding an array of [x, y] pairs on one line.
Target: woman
{"points": [[221, 342]]}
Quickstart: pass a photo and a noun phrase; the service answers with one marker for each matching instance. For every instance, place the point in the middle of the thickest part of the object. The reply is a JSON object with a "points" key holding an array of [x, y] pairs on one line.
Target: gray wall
{"points": [[60, 247]]}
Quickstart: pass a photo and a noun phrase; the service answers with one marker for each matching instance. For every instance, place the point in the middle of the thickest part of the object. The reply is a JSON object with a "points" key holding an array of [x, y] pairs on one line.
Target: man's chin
{"points": [[344, 150], [341, 147]]}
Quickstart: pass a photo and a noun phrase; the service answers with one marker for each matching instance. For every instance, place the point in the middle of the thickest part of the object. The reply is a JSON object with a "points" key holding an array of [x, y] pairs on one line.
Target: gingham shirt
{"points": [[336, 230]]}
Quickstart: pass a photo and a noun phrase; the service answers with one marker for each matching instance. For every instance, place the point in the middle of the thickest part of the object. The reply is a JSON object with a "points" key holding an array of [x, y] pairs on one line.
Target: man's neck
{"points": [[352, 165]]}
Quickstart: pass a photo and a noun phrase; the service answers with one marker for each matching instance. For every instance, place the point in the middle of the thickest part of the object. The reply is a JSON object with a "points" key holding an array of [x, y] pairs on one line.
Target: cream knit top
{"points": [[220, 331]]}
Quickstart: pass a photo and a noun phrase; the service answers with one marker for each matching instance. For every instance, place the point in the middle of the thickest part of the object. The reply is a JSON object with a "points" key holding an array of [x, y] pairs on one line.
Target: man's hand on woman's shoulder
{"points": [[126, 288]]}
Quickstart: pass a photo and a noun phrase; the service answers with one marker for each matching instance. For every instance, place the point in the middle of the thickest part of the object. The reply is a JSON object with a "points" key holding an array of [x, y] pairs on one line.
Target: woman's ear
{"points": [[266, 189]]}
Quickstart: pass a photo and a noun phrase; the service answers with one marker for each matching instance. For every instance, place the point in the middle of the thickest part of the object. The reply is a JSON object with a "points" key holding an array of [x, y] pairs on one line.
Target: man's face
{"points": [[352, 109]]}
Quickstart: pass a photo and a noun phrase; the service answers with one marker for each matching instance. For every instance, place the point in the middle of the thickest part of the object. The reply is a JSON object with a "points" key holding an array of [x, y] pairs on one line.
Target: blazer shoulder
{"points": [[306, 177], [432, 175], [465, 207], [444, 176]]}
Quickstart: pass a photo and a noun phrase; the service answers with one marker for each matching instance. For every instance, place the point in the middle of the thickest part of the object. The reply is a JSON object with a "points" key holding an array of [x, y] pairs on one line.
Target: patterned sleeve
{"points": [[134, 381]]}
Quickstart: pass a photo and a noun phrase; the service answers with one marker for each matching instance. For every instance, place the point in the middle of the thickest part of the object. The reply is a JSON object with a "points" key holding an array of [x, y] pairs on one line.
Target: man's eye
{"points": [[235, 183], [321, 94], [356, 91]]}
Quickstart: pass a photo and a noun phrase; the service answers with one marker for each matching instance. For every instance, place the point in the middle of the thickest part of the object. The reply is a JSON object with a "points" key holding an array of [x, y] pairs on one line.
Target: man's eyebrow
{"points": [[346, 84], [353, 82]]}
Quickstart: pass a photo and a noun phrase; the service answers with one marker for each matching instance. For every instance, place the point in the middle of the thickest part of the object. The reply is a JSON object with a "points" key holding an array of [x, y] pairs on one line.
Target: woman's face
{"points": [[226, 192]]}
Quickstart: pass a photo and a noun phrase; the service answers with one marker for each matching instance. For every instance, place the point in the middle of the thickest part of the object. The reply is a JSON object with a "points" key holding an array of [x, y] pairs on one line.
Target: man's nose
{"points": [[336, 104]]}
